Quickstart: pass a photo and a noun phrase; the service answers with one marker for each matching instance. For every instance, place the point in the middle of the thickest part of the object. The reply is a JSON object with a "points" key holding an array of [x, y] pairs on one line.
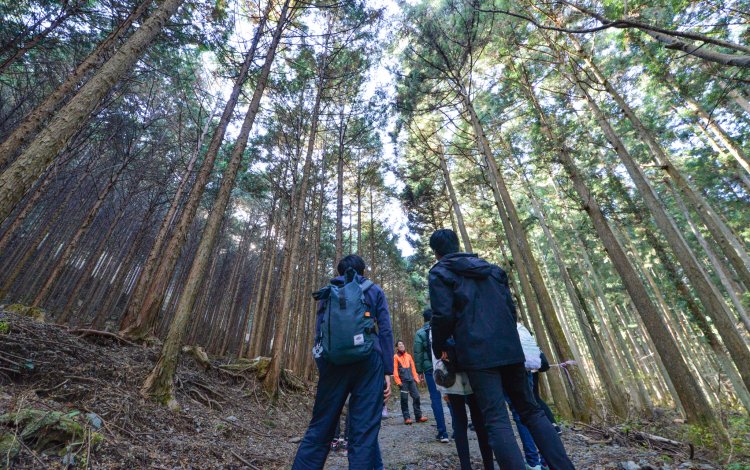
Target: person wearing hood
{"points": [[471, 303], [366, 382]]}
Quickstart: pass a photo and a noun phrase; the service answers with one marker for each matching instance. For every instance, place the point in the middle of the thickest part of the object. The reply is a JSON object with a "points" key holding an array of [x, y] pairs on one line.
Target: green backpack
{"points": [[347, 330]]}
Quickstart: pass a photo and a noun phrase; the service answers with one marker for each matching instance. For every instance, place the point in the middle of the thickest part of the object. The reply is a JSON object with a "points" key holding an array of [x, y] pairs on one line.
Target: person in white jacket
{"points": [[533, 362], [460, 395]]}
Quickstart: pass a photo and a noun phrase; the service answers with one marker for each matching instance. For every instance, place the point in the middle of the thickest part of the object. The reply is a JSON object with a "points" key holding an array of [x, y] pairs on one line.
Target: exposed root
{"points": [[83, 332]]}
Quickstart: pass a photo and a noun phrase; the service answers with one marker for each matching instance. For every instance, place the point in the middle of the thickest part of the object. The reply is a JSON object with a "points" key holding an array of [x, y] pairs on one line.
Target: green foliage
{"points": [[48, 431], [35, 313]]}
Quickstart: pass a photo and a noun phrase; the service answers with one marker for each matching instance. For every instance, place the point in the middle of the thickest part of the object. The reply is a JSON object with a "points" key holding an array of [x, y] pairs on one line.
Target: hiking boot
{"points": [[557, 428], [334, 445], [443, 438], [344, 447], [422, 420], [408, 421]]}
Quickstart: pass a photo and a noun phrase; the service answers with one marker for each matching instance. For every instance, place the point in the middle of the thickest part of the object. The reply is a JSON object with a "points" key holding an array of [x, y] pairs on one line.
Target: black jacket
{"points": [[471, 302]]}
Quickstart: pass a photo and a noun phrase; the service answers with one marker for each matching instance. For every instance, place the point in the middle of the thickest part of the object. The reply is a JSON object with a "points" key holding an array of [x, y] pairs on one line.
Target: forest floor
{"points": [[68, 401]]}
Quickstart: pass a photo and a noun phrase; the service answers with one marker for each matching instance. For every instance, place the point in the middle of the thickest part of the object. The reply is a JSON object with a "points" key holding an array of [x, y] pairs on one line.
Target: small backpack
{"points": [[347, 330]]}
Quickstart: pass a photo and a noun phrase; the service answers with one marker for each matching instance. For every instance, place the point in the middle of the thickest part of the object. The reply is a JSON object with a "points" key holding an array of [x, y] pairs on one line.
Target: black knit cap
{"points": [[444, 242], [427, 314]]}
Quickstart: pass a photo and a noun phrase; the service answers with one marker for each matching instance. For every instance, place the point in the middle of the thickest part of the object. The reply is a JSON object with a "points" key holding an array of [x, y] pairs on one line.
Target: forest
{"points": [[178, 176]]}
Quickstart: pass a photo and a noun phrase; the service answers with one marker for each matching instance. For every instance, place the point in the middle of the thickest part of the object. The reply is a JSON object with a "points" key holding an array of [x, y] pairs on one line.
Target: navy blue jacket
{"points": [[375, 299], [472, 303]]}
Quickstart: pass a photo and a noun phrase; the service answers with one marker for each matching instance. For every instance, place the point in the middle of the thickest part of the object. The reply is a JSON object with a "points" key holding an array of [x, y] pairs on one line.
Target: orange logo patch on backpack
{"points": [[367, 314]]}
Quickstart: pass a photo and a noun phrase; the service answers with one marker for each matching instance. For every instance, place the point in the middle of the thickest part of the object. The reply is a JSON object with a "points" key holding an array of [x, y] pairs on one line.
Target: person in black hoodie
{"points": [[471, 302]]}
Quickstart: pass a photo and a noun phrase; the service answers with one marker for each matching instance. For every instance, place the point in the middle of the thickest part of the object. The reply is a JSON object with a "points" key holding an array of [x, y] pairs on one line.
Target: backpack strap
{"points": [[366, 284]]}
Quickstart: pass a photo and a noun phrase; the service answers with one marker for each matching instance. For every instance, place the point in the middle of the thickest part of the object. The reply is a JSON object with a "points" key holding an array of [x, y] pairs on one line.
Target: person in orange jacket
{"points": [[405, 375]]}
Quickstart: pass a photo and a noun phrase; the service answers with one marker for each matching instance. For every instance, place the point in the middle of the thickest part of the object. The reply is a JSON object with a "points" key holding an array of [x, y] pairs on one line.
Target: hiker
{"points": [[405, 375], [423, 361], [471, 303], [459, 395], [535, 388], [353, 354], [532, 362]]}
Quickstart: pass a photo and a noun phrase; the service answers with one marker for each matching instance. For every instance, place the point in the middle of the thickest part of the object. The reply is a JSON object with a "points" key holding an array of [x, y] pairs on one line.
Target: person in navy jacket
{"points": [[471, 303], [367, 383]]}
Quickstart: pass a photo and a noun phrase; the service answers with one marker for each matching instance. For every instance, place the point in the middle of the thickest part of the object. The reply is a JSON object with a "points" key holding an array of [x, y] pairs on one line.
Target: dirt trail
{"points": [[414, 447], [225, 421]]}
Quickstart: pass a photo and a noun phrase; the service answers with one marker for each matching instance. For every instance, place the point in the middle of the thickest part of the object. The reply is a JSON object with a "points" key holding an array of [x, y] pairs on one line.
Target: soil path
{"points": [[414, 448]]}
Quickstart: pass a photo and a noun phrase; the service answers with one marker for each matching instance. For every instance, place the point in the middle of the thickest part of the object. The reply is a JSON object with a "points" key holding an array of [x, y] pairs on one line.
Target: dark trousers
{"points": [[409, 387], [490, 386], [461, 426], [436, 401], [363, 382], [545, 408], [530, 451]]}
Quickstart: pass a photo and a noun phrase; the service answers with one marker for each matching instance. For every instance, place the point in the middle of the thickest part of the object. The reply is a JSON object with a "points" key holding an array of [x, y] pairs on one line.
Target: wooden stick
{"points": [[86, 332], [244, 461]]}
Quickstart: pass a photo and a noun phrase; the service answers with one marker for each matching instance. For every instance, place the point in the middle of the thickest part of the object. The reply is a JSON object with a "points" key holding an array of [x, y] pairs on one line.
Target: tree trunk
{"points": [[730, 246], [42, 234], [340, 194], [140, 325], [558, 387], [741, 101], [130, 319], [696, 405], [20, 218], [454, 201], [603, 365], [159, 384], [734, 149], [72, 244], [291, 248], [712, 300], [64, 14], [20, 175], [36, 118], [583, 400], [90, 264]]}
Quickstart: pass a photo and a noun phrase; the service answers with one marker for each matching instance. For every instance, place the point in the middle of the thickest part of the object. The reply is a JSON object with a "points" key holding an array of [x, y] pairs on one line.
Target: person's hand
{"points": [[421, 377], [387, 391], [444, 357]]}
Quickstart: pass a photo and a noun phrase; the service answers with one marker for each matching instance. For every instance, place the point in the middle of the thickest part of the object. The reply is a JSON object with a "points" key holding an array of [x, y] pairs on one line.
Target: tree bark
{"points": [[712, 300], [734, 149], [696, 405], [36, 118], [130, 318], [140, 325], [72, 244], [603, 364], [454, 201], [160, 383], [291, 248], [39, 37], [20, 175], [340, 193], [582, 398], [730, 246]]}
